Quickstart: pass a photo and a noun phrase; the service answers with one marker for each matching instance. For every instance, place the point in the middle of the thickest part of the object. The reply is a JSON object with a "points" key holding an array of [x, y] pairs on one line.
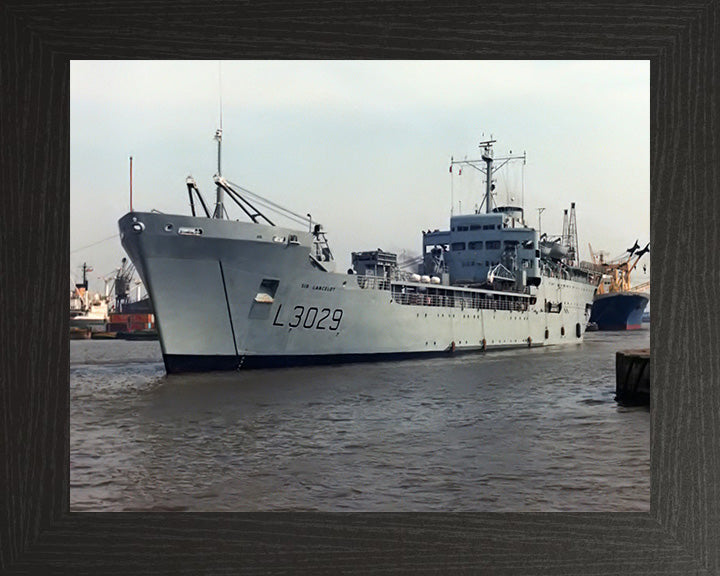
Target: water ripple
{"points": [[533, 430]]}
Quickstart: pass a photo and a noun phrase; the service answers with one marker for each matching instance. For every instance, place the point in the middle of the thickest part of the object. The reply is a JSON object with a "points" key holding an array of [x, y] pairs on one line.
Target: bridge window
{"points": [[478, 245], [457, 246], [492, 244]]}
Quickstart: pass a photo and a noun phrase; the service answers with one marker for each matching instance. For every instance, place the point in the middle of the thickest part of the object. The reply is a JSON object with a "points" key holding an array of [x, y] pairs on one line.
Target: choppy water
{"points": [[526, 430]]}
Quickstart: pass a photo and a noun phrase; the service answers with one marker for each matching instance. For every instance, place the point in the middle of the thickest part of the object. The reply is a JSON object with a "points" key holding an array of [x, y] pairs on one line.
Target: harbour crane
{"points": [[619, 269], [123, 280]]}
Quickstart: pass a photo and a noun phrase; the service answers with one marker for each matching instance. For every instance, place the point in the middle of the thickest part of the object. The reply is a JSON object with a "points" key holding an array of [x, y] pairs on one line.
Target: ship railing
{"points": [[451, 299], [464, 302], [373, 282]]}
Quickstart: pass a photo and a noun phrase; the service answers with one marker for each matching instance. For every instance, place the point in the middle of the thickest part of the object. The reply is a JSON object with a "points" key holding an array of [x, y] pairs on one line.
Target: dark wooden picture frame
{"points": [[680, 534]]}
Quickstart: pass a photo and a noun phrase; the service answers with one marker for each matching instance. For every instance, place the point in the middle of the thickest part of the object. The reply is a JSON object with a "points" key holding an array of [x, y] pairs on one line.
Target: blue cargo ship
{"points": [[616, 305], [619, 310]]}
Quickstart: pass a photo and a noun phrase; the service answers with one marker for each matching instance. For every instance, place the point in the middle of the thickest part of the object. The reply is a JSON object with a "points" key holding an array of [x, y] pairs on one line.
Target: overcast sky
{"points": [[364, 146]]}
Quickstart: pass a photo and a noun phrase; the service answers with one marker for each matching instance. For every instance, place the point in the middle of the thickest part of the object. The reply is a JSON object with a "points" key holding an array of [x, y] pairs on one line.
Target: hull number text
{"points": [[310, 318]]}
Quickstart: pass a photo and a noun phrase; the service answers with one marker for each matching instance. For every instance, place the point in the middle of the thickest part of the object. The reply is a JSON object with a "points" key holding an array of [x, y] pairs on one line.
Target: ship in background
{"points": [[88, 312], [229, 295], [617, 305], [114, 311], [129, 316]]}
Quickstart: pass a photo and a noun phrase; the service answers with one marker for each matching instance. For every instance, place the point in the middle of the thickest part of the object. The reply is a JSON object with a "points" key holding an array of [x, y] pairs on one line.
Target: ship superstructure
{"points": [[230, 295]]}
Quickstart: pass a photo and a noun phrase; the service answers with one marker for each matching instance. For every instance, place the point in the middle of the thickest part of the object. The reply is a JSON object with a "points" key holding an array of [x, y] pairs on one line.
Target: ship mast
{"points": [[573, 246], [220, 192], [487, 157], [85, 270]]}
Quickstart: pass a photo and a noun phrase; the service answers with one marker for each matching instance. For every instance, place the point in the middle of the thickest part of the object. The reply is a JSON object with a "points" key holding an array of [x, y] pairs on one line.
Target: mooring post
{"points": [[632, 369]]}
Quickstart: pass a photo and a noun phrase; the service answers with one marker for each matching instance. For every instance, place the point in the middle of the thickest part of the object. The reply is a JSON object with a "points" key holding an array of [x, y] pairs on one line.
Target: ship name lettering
{"points": [[324, 288], [317, 287]]}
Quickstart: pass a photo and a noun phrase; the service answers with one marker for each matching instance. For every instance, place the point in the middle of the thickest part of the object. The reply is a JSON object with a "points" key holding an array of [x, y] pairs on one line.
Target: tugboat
{"points": [[233, 295], [616, 305]]}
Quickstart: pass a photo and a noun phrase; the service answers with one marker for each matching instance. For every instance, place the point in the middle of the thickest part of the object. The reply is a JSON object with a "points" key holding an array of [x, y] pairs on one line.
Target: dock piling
{"points": [[632, 369]]}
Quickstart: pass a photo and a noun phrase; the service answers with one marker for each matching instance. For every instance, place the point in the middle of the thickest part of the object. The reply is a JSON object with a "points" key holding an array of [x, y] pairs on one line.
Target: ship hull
{"points": [[175, 364], [619, 311], [240, 295]]}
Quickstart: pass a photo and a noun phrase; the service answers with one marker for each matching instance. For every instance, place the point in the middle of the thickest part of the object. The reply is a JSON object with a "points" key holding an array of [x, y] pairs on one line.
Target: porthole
{"points": [[168, 227]]}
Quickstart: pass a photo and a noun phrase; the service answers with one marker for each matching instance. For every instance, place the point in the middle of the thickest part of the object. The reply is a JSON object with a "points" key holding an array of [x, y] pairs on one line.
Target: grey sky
{"points": [[364, 146]]}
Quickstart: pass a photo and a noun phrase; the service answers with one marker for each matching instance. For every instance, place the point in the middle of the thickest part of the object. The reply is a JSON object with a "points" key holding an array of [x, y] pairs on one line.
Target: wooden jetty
{"points": [[632, 369]]}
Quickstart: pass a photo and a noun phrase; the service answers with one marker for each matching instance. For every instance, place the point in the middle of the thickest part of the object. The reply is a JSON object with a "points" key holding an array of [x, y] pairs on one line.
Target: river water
{"points": [[523, 430]]}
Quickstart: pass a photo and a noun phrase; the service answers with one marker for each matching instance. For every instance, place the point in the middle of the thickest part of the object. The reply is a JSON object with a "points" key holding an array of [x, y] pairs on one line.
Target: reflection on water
{"points": [[526, 430]]}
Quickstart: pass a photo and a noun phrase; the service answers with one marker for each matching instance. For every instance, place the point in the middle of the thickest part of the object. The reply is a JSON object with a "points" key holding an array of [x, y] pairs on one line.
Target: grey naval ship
{"points": [[232, 295]]}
